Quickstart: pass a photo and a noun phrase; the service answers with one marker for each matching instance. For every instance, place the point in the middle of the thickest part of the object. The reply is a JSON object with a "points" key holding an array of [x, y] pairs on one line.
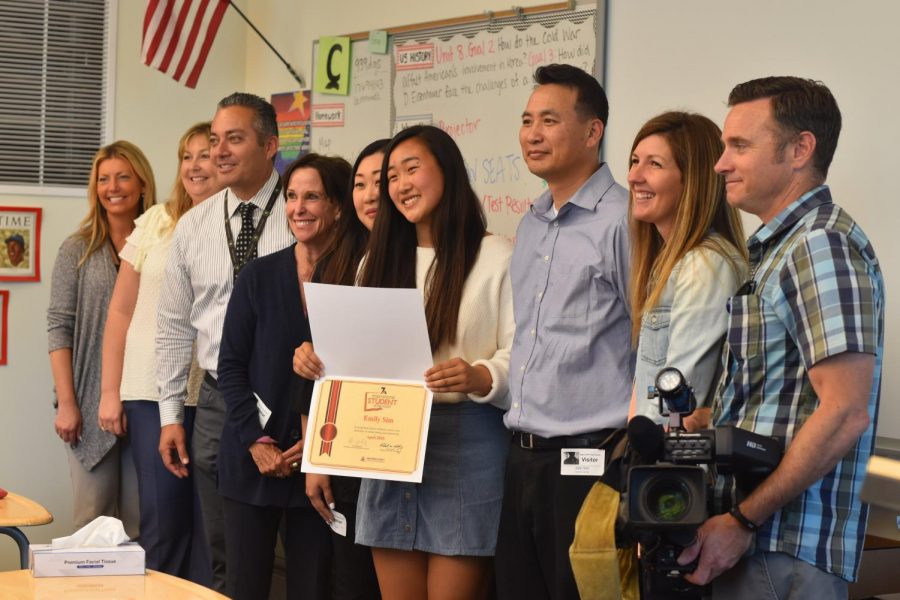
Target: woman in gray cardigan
{"points": [[121, 187]]}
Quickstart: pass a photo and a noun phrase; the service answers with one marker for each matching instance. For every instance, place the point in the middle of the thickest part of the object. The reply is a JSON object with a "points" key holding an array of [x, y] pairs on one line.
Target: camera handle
{"points": [[656, 586], [676, 421]]}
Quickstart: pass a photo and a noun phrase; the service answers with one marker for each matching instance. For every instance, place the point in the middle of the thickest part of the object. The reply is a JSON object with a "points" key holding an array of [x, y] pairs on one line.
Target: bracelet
{"points": [[742, 518]]}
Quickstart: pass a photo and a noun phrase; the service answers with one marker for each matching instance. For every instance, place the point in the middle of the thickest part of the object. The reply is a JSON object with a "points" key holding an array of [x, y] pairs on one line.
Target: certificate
{"points": [[374, 429], [369, 414]]}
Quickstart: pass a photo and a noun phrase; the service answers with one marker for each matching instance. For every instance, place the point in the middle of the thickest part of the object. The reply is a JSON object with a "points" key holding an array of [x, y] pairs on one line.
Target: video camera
{"points": [[669, 483]]}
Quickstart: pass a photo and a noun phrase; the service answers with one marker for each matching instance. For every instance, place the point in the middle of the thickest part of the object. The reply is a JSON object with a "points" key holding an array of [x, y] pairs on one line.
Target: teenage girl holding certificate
{"points": [[436, 539]]}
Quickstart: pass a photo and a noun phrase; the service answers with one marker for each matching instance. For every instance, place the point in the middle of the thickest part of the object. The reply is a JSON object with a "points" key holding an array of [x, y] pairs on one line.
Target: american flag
{"points": [[178, 35]]}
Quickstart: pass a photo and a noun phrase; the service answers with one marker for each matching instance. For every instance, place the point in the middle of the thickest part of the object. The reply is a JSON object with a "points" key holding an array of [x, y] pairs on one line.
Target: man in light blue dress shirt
{"points": [[572, 363]]}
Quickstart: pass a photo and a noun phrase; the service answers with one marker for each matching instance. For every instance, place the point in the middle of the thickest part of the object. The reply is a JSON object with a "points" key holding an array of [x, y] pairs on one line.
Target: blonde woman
{"points": [[688, 256], [129, 399], [121, 188]]}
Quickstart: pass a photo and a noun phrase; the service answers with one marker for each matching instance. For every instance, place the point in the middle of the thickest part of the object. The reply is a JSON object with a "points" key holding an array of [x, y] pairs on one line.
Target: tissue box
{"points": [[126, 559]]}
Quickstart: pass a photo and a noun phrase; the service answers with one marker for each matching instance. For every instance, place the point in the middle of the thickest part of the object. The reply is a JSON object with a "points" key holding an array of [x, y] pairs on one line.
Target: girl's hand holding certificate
{"points": [[456, 375]]}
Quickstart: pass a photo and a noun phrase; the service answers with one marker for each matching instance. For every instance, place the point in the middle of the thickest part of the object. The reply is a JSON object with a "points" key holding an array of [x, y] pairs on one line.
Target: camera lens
{"points": [[668, 499]]}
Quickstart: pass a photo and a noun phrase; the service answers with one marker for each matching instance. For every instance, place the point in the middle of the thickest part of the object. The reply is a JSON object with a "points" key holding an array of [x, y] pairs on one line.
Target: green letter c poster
{"points": [[333, 66]]}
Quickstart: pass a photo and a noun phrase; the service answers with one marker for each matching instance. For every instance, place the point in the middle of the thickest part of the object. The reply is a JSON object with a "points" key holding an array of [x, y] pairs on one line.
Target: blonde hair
{"points": [[94, 228], [695, 143], [180, 201]]}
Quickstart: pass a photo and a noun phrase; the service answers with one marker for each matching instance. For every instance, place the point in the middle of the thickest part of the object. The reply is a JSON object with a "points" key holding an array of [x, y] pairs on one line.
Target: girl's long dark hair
{"points": [[340, 261], [457, 228]]}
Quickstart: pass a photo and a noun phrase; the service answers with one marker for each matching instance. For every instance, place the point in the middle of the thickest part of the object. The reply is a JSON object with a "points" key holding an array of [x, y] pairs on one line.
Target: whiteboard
{"points": [[471, 79], [475, 88]]}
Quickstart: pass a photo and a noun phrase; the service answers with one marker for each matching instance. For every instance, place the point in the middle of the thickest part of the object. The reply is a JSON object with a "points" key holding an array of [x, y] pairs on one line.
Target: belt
{"points": [[594, 439], [210, 381]]}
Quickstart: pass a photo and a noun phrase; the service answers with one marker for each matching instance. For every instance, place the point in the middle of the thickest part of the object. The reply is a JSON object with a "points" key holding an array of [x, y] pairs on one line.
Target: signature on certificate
{"points": [[357, 442], [390, 447]]}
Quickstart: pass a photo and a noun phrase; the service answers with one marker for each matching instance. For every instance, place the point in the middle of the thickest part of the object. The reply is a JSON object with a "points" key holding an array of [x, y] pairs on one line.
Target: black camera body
{"points": [[669, 482]]}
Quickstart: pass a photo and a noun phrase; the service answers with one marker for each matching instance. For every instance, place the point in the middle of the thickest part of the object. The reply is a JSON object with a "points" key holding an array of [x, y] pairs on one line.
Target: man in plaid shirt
{"points": [[803, 355]]}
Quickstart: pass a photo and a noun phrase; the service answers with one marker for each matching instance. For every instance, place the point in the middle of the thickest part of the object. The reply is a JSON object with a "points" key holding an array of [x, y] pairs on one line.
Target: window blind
{"points": [[52, 90]]}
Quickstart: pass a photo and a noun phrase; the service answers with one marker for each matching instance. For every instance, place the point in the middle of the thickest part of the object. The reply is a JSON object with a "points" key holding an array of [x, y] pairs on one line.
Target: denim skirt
{"points": [[455, 511]]}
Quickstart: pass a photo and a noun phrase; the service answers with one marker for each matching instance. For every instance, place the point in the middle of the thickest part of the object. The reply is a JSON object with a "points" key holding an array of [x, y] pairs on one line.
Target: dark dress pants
{"points": [[204, 452], [250, 542], [171, 532], [537, 526], [353, 572]]}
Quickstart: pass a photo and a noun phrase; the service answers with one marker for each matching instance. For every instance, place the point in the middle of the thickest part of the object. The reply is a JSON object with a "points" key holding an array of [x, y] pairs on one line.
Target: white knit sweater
{"points": [[485, 329]]}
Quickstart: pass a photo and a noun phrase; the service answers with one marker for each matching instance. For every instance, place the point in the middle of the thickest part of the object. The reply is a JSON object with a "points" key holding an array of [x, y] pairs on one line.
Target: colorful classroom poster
{"points": [[292, 111]]}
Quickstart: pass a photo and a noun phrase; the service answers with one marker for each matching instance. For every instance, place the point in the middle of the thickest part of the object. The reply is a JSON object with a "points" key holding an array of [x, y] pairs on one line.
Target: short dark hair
{"points": [[591, 101], [264, 122], [798, 105]]}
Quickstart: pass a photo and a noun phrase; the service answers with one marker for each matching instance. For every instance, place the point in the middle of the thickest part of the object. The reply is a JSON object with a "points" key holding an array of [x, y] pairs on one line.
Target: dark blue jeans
{"points": [[171, 527]]}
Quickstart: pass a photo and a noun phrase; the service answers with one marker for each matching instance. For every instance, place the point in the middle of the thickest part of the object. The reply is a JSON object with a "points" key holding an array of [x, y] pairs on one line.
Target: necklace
{"points": [[117, 262]]}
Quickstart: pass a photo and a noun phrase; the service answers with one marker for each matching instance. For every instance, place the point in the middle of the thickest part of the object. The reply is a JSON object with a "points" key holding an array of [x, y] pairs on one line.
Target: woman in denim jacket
{"points": [[688, 256]]}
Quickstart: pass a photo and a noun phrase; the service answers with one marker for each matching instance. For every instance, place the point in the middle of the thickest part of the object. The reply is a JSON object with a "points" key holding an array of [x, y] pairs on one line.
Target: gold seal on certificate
{"points": [[360, 425]]}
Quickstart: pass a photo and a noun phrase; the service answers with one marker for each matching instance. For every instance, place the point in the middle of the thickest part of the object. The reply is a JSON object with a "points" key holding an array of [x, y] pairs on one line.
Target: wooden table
{"points": [[20, 585], [17, 511]]}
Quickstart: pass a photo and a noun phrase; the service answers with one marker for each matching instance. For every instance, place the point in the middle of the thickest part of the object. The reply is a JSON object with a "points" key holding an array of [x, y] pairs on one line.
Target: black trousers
{"points": [[537, 526], [353, 572], [250, 534]]}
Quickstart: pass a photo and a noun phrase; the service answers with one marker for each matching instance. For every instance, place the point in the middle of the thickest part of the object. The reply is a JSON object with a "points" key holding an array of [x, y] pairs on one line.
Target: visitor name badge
{"points": [[582, 461]]}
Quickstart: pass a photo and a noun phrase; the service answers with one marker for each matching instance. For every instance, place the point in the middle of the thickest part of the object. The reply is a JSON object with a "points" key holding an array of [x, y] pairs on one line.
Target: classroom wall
{"points": [[661, 55], [292, 27], [151, 111], [688, 55], [664, 55]]}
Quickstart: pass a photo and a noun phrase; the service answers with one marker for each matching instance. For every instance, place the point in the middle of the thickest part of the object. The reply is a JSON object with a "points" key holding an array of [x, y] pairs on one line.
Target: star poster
{"points": [[292, 110]]}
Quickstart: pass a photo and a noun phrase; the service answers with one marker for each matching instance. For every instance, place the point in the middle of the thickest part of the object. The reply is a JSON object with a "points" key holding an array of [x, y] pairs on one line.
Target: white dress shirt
{"points": [[197, 287]]}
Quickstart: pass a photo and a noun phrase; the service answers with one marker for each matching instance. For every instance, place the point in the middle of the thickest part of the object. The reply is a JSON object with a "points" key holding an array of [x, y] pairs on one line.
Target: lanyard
{"points": [[238, 262]]}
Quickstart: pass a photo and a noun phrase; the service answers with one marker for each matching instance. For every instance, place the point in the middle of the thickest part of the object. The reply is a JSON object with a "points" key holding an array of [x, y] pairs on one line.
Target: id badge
{"points": [[582, 461]]}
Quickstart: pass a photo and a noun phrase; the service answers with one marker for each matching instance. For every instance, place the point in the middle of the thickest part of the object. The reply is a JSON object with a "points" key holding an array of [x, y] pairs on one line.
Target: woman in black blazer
{"points": [[259, 457]]}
